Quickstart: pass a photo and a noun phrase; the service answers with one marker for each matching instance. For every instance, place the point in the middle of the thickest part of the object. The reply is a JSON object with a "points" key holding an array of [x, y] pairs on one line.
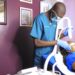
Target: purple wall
{"points": [[13, 56], [10, 61], [9, 58], [22, 39], [70, 6]]}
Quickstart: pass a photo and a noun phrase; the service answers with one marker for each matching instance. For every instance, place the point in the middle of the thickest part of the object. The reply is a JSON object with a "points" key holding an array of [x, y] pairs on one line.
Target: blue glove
{"points": [[63, 44], [65, 32]]}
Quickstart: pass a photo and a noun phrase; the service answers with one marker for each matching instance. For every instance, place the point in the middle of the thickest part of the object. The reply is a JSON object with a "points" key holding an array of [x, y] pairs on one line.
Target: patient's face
{"points": [[72, 46]]}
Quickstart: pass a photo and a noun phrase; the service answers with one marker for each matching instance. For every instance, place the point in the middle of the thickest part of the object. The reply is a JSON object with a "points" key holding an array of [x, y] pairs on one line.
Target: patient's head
{"points": [[72, 44], [70, 58]]}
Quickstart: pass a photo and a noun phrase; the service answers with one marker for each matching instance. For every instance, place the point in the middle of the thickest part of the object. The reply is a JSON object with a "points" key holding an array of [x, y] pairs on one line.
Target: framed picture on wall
{"points": [[26, 16], [44, 6], [27, 1]]}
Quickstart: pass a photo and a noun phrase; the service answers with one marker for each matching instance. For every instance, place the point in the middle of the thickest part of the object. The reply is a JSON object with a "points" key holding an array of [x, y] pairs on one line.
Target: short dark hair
{"points": [[59, 7]]}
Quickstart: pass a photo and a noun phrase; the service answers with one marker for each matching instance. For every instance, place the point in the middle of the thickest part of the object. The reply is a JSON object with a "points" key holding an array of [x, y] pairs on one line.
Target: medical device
{"points": [[69, 26]]}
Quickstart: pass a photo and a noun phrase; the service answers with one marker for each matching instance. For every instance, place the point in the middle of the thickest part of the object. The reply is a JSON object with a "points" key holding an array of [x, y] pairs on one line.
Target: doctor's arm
{"points": [[42, 43]]}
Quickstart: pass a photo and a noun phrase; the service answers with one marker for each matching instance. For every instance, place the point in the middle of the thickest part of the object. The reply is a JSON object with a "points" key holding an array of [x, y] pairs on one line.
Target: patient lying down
{"points": [[70, 58]]}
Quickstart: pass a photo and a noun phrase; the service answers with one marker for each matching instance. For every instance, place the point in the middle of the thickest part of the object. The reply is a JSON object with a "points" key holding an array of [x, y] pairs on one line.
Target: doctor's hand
{"points": [[64, 45]]}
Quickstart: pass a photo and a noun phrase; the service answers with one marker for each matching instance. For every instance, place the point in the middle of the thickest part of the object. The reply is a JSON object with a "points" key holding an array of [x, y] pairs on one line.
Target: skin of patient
{"points": [[72, 44]]}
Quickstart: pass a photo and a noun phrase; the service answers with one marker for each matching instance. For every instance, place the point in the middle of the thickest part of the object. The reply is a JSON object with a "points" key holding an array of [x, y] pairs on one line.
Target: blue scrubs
{"points": [[70, 58], [43, 29]]}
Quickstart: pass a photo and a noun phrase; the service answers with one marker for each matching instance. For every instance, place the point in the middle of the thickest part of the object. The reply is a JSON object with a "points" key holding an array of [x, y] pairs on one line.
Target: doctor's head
{"points": [[59, 9]]}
